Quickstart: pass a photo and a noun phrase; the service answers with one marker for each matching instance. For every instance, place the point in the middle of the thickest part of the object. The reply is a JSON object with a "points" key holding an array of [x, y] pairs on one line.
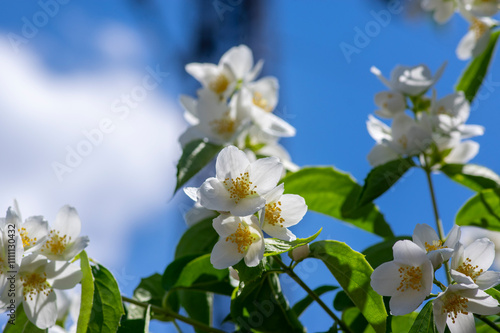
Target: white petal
{"points": [[466, 45], [463, 152], [190, 134], [275, 194], [483, 304], [378, 73], [240, 59], [42, 310], [406, 302], [37, 228], [469, 131], [481, 253], [231, 162], [190, 106], [74, 248], [293, 209], [488, 279], [191, 192], [408, 253], [278, 231], [225, 254], [197, 214], [439, 316], [378, 130], [385, 279], [390, 103], [255, 251], [460, 277], [202, 72], [68, 222], [453, 237], [463, 323], [226, 224], [381, 154], [265, 174], [248, 205], [63, 275], [423, 233], [272, 124], [214, 196]]}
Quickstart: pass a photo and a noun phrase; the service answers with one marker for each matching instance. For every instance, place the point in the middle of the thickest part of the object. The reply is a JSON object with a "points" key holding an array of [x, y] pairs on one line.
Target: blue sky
{"points": [[65, 79]]}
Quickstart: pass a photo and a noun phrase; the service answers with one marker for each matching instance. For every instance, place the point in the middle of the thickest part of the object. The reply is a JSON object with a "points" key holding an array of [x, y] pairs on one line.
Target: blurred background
{"points": [[71, 74]]}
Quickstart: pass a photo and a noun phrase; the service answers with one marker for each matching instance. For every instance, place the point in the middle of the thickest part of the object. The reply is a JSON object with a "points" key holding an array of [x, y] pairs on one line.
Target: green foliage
{"points": [[474, 74], [403, 324], [107, 307], [22, 324], [246, 273], [275, 246], [381, 252], [355, 320], [482, 210], [302, 305], [475, 177], [150, 291], [342, 302], [425, 321], [136, 325], [352, 272], [260, 305], [382, 177], [333, 193], [198, 305], [87, 293], [197, 240], [195, 156]]}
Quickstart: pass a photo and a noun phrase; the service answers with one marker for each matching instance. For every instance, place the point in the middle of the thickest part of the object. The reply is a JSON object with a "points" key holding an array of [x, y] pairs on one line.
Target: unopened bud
{"points": [[301, 252]]}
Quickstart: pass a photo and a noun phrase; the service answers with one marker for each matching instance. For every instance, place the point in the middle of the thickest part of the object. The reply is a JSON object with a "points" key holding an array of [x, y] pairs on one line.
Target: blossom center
{"points": [[411, 278], [240, 187], [455, 304], [35, 283], [56, 243], [260, 101], [273, 214], [436, 245], [479, 28], [468, 269], [403, 140], [243, 237], [219, 84], [224, 125], [26, 240]]}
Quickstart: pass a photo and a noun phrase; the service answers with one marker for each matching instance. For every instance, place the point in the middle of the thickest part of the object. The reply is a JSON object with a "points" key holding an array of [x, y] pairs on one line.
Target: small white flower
{"points": [[390, 103], [477, 38], [63, 242], [470, 264], [411, 81], [407, 279], [482, 7], [456, 305], [443, 9], [33, 231], [428, 240], [282, 211], [470, 234], [239, 185], [301, 252], [240, 238]]}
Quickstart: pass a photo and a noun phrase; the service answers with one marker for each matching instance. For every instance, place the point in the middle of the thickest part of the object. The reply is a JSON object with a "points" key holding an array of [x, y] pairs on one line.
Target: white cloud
{"points": [[130, 171]]}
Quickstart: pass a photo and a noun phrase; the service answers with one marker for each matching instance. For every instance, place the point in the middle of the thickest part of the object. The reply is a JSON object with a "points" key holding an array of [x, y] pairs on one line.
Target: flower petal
{"points": [[63, 275], [41, 310], [385, 279], [408, 253], [293, 209], [488, 279], [231, 162], [214, 196], [68, 222], [464, 323], [265, 174], [481, 253], [225, 254]]}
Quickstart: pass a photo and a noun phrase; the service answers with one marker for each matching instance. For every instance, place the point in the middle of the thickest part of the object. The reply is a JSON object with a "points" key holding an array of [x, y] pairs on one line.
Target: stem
{"points": [[177, 326], [311, 293], [488, 322], [175, 315], [439, 224]]}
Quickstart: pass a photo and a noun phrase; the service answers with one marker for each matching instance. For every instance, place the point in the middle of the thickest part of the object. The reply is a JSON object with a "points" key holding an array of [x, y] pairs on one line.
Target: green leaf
{"points": [[107, 308], [355, 320], [260, 305], [342, 302], [246, 273], [473, 176], [21, 323], [352, 272], [381, 252], [150, 291], [136, 325], [333, 193], [474, 74], [482, 210], [87, 293], [197, 240], [275, 246], [382, 177], [425, 321], [402, 324], [195, 156], [302, 305], [198, 305], [494, 293]]}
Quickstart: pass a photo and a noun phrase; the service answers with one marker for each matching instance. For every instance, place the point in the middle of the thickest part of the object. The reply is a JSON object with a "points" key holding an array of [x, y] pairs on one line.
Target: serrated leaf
{"points": [[275, 246], [381, 252], [197, 240], [87, 293], [107, 307], [382, 177], [261, 305], [304, 303], [333, 193], [482, 210], [473, 176], [352, 272], [195, 155], [21, 323], [424, 323], [472, 78]]}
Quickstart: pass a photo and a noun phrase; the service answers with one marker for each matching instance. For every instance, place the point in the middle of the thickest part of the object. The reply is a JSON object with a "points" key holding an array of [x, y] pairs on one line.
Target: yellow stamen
{"points": [[403, 140], [436, 245], [224, 126], [455, 304], [242, 237], [273, 214], [33, 284], [219, 84], [56, 244], [466, 268], [411, 277], [240, 187], [261, 102], [479, 28], [26, 240]]}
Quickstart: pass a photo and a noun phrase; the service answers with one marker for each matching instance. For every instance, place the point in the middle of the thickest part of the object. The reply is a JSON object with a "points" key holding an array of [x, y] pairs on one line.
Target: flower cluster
{"points": [[250, 204], [435, 130], [477, 12], [36, 259], [234, 108], [408, 279]]}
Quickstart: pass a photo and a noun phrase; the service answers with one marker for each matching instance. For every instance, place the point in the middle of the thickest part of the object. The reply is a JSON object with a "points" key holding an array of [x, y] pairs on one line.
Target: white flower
{"points": [[236, 65], [301, 252], [411, 81], [239, 185], [470, 264], [213, 119], [482, 7], [443, 9], [390, 103], [35, 282], [282, 211], [197, 214], [240, 238], [63, 242], [470, 234], [33, 231], [428, 240], [456, 305], [11, 248], [408, 279], [476, 39]]}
